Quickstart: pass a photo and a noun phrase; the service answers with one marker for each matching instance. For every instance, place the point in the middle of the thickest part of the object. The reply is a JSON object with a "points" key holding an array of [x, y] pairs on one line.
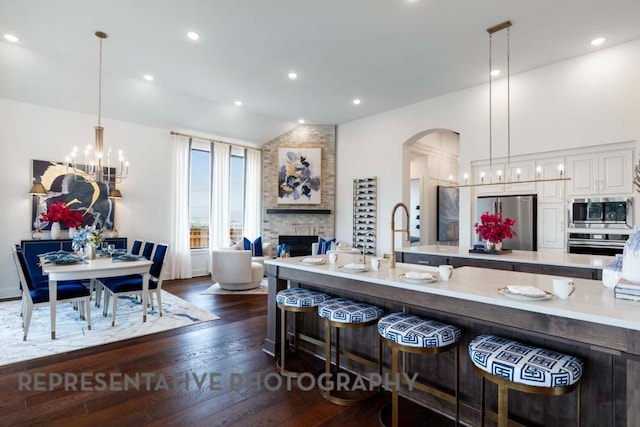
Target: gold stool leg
{"points": [[481, 401], [283, 338], [394, 388], [503, 405], [457, 380], [327, 352]]}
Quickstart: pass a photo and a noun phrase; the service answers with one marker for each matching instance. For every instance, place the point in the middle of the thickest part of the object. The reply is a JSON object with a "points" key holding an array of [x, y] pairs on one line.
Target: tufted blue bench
{"points": [[345, 313], [517, 366], [294, 300], [413, 334]]}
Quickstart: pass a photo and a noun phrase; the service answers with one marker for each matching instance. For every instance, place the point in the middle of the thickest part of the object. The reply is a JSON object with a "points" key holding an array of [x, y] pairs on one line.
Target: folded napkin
{"points": [[65, 259], [354, 266], [313, 260], [55, 254], [127, 257], [419, 275], [530, 291]]}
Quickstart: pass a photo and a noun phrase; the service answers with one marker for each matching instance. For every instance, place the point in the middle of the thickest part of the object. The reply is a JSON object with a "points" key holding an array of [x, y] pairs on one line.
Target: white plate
{"points": [[313, 263], [352, 270], [508, 293], [417, 281]]}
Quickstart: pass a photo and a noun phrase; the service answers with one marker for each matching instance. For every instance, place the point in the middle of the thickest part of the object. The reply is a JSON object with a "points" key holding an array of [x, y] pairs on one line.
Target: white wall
{"points": [[588, 100], [29, 131]]}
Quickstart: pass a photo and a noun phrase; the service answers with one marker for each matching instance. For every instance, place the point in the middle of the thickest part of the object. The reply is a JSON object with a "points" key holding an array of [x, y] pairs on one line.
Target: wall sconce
{"points": [[499, 176], [538, 170], [450, 178], [466, 178], [518, 174], [482, 177], [115, 194], [560, 169]]}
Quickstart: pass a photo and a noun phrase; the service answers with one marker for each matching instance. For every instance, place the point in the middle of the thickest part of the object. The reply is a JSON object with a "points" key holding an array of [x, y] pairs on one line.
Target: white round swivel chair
{"points": [[234, 271]]}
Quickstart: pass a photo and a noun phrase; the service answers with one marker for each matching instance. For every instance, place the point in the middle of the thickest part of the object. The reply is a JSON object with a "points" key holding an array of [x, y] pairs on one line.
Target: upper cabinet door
{"points": [[601, 173], [551, 191], [522, 171], [615, 172], [583, 171]]}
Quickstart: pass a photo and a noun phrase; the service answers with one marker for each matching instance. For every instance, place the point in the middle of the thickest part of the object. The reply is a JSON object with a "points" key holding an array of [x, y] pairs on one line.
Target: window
{"points": [[200, 199], [236, 195], [200, 189]]}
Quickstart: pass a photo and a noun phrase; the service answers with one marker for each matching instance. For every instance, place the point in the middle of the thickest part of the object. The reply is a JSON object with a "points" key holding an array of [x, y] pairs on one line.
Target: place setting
{"points": [[313, 261], [353, 268], [525, 292]]}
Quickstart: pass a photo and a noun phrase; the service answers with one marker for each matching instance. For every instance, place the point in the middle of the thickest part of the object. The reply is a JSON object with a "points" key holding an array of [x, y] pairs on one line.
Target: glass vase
{"points": [[631, 258]]}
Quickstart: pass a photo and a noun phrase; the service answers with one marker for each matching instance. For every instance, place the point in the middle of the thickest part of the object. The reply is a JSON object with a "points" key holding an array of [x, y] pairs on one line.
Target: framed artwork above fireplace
{"points": [[299, 175]]}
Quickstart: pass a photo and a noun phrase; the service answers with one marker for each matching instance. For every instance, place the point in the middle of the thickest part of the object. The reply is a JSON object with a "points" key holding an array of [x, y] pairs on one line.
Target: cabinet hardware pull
{"points": [[423, 262]]}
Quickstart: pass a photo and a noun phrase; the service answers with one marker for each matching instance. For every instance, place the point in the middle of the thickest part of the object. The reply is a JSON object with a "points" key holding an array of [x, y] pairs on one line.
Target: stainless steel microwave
{"points": [[601, 213]]}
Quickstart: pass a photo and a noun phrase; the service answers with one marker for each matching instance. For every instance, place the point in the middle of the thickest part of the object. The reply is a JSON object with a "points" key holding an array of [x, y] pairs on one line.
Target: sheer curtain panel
{"points": [[180, 222], [252, 194], [219, 221]]}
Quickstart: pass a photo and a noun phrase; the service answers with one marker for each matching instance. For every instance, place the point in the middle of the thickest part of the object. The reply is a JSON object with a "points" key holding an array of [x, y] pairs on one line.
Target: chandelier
{"points": [[94, 165], [507, 178]]}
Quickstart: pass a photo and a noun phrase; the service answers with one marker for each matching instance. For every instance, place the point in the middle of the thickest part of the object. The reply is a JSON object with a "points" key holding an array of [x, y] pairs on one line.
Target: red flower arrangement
{"points": [[494, 228], [60, 212]]}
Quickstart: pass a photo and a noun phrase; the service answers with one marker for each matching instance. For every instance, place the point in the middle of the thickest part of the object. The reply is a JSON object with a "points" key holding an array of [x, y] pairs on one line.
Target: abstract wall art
{"points": [[75, 191], [299, 175]]}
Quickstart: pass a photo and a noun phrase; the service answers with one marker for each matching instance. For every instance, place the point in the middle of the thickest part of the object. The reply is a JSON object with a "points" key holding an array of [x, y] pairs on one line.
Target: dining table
{"points": [[88, 269]]}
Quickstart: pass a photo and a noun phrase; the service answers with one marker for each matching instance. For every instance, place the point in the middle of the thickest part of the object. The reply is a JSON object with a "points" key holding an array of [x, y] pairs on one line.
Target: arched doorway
{"points": [[431, 160]]}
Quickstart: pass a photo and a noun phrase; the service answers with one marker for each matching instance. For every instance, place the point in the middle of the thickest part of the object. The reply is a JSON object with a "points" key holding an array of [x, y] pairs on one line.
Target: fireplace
{"points": [[299, 245]]}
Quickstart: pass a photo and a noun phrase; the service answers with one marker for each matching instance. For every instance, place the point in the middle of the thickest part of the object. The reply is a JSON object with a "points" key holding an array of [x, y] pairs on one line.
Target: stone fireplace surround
{"points": [[276, 220]]}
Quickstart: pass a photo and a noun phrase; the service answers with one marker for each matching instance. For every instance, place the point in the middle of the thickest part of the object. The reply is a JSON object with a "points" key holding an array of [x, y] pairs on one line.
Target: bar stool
{"points": [[345, 313], [517, 366], [413, 334], [295, 300]]}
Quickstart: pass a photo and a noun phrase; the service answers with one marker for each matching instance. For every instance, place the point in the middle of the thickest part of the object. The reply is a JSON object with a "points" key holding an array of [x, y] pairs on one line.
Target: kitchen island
{"points": [[553, 263], [591, 324]]}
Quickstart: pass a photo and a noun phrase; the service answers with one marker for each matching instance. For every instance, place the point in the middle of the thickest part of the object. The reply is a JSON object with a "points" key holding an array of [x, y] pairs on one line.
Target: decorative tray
{"points": [[486, 252]]}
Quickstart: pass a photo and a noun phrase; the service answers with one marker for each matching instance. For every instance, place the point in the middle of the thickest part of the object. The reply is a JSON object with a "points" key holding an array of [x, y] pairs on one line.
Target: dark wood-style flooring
{"points": [[232, 344]]}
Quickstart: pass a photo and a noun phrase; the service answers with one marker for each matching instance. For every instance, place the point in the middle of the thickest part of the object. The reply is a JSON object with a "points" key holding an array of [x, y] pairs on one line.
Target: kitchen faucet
{"points": [[364, 243], [392, 264]]}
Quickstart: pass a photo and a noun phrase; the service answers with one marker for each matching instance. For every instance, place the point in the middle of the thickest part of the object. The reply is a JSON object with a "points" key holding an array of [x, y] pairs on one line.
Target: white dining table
{"points": [[93, 269]]}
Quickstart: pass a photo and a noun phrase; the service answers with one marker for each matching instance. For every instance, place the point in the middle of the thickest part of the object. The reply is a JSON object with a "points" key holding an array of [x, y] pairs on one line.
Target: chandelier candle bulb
{"points": [[518, 174], [538, 170]]}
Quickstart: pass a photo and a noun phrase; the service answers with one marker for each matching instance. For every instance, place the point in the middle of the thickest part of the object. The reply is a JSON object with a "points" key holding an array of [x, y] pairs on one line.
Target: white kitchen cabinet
{"points": [[522, 171], [551, 226], [600, 173], [493, 175], [550, 191]]}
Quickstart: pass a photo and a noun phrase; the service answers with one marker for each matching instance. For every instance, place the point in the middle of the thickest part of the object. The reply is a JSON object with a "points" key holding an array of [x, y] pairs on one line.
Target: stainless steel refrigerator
{"points": [[521, 208]]}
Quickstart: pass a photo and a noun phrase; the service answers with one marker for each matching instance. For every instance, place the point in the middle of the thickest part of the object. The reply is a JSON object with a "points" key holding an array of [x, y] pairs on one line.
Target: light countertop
{"points": [[527, 257], [590, 302]]}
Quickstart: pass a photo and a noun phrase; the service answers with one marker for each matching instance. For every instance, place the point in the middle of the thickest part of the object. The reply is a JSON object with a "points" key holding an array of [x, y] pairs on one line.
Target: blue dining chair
{"points": [[67, 291], [137, 245], [148, 249], [132, 284]]}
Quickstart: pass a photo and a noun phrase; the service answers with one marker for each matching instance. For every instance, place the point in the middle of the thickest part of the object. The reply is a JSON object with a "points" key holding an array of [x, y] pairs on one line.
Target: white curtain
{"points": [[180, 246], [219, 221], [252, 226]]}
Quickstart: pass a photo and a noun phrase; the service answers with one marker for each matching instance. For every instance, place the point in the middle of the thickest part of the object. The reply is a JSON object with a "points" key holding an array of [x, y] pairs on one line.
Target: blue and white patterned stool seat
{"points": [[300, 297], [413, 331], [343, 310], [523, 363]]}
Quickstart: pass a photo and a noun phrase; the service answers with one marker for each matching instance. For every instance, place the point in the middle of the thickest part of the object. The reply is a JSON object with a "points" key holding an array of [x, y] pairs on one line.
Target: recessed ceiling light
{"points": [[357, 101], [11, 38], [597, 42], [292, 75], [495, 72], [148, 77], [238, 103], [193, 35], [301, 121]]}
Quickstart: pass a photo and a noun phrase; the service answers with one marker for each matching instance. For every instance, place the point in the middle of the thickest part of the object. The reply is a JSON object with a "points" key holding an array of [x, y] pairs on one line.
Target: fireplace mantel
{"points": [[300, 211]]}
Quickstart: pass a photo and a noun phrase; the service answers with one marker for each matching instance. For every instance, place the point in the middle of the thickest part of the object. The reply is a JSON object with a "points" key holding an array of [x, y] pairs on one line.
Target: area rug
{"points": [[72, 333], [215, 289]]}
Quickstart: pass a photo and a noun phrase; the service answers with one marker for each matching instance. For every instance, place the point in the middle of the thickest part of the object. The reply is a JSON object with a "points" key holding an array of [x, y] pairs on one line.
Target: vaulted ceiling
{"points": [[387, 53]]}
